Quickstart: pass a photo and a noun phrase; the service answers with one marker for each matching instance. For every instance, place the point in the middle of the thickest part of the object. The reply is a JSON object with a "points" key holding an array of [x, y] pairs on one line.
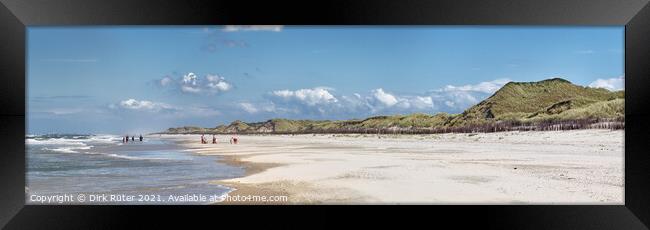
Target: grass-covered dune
{"points": [[551, 104]]}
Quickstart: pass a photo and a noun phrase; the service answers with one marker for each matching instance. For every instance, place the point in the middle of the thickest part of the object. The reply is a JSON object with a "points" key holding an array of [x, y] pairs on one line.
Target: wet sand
{"points": [[553, 167]]}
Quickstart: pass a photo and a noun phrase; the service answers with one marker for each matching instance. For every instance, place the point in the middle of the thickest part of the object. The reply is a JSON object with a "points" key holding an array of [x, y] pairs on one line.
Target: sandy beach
{"points": [[551, 167]]}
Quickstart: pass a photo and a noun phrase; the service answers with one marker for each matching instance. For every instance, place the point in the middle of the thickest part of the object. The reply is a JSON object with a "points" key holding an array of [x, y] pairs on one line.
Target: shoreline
{"points": [[278, 188], [239, 189], [305, 168]]}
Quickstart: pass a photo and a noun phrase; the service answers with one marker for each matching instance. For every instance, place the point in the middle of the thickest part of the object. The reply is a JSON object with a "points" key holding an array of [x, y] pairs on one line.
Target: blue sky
{"points": [[143, 79]]}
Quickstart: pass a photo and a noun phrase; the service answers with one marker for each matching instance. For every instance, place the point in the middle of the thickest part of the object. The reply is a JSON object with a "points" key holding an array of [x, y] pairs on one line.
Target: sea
{"points": [[99, 169]]}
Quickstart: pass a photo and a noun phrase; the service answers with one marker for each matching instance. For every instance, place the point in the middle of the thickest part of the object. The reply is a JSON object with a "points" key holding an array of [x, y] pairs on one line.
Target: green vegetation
{"points": [[187, 129], [611, 109], [521, 101], [549, 104]]}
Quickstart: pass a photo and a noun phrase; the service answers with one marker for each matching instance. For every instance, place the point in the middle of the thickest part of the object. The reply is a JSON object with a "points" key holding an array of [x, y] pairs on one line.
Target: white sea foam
{"points": [[133, 157], [105, 138], [73, 140], [126, 156], [75, 144], [55, 141], [68, 149]]}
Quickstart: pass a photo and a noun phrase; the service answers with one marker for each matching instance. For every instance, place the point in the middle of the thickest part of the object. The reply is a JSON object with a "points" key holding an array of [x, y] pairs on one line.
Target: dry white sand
{"points": [[553, 167]]}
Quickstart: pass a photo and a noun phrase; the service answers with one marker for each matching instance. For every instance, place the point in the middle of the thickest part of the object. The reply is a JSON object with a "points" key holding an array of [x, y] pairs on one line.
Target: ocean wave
{"points": [[126, 156], [58, 135], [75, 149], [67, 149], [67, 140], [54, 141], [133, 157], [105, 139]]}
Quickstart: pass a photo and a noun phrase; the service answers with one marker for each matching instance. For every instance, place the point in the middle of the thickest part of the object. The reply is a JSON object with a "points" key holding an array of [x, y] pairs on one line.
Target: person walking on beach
{"points": [[140, 137], [127, 138], [133, 138], [214, 139], [123, 140], [202, 139]]}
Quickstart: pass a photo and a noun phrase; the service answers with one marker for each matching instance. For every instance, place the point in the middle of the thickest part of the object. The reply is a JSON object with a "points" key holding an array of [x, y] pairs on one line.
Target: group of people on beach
{"points": [[233, 140], [126, 138]]}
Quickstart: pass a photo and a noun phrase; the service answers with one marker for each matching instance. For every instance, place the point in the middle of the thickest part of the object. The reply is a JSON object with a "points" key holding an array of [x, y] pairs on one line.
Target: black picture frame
{"points": [[15, 15]]}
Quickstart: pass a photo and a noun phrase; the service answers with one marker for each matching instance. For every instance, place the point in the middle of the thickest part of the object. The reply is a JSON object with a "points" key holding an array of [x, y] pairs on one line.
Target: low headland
{"points": [[553, 104]]}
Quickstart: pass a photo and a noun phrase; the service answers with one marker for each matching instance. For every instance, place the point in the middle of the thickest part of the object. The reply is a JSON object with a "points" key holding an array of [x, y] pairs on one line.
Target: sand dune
{"points": [[553, 167]]}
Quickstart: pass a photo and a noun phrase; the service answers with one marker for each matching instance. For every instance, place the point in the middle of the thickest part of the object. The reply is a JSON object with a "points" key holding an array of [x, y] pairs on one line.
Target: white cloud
{"points": [[458, 98], [189, 79], [322, 102], [380, 100], [457, 101], [283, 93], [248, 107], [144, 105], [217, 83], [190, 89], [422, 102], [164, 108], [268, 107], [213, 40], [484, 87], [311, 97], [611, 84], [383, 97], [450, 103], [193, 84], [188, 84], [165, 81], [65, 111], [234, 28], [222, 85]]}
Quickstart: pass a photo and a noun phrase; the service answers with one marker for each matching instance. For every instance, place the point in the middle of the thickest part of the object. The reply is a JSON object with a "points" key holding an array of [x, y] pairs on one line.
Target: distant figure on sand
{"points": [[132, 138], [127, 138], [140, 137], [233, 140], [203, 139], [123, 140], [214, 139]]}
